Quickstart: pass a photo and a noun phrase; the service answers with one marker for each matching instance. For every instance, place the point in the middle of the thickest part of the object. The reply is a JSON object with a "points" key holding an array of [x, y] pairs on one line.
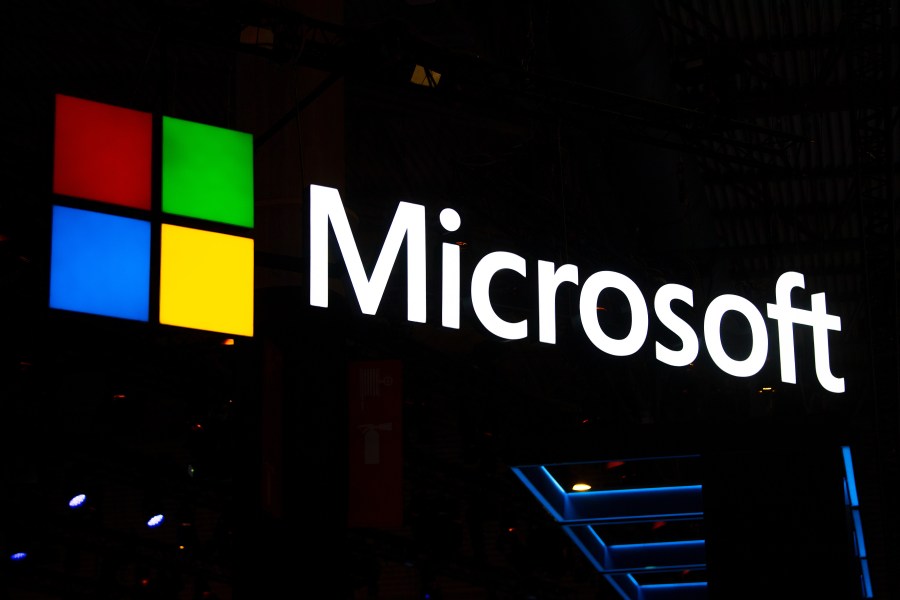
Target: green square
{"points": [[207, 172]]}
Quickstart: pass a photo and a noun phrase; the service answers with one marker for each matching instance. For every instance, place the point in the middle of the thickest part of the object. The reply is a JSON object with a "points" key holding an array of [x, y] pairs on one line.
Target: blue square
{"points": [[100, 264]]}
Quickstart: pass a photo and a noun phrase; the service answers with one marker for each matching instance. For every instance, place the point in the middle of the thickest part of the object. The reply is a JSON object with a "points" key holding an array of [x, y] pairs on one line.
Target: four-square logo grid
{"points": [[153, 218]]}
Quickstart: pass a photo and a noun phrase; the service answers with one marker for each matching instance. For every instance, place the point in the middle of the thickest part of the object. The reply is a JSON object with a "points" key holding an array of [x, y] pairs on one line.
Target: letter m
{"points": [[325, 207]]}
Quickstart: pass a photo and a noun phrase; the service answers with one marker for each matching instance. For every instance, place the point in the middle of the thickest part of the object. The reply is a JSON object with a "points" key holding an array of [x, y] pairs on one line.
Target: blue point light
{"points": [[155, 521], [18, 556]]}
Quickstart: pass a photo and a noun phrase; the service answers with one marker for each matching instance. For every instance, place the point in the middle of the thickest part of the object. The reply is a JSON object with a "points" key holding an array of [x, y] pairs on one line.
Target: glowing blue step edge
{"points": [[851, 498], [620, 505], [678, 555], [628, 558], [629, 589], [673, 591], [625, 585]]}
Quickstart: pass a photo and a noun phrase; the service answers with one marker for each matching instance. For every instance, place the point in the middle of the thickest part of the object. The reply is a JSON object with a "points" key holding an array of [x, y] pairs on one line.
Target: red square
{"points": [[102, 152]]}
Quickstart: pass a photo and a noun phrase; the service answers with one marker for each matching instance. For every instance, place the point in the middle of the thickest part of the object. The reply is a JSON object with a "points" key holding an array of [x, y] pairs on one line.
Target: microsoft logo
{"points": [[153, 218]]}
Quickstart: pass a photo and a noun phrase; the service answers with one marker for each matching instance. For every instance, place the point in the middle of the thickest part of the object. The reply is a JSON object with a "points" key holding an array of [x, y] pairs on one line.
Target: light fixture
{"points": [[261, 37], [155, 521], [425, 77]]}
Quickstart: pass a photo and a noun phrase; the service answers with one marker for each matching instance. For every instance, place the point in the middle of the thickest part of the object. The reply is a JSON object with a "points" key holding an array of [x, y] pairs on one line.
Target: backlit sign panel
{"points": [[104, 252], [327, 214]]}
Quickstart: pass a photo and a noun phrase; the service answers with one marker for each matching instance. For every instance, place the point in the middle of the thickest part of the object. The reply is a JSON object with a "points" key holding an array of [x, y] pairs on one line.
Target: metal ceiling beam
{"points": [[795, 100], [769, 45], [837, 172], [384, 55]]}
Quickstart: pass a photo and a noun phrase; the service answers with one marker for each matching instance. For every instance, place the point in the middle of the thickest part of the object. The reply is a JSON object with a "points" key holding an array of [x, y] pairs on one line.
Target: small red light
{"points": [[228, 342], [614, 463], [659, 524], [197, 427]]}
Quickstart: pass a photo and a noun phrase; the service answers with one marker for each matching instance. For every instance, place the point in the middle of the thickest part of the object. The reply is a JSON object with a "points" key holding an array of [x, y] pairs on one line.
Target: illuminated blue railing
{"points": [[851, 499], [588, 517]]}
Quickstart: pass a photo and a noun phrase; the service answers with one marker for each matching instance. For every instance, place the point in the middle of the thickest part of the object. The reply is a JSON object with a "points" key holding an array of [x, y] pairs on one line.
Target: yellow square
{"points": [[206, 280]]}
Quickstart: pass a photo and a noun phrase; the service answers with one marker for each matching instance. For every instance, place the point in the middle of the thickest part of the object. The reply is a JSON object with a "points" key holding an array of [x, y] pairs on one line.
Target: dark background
{"points": [[710, 143]]}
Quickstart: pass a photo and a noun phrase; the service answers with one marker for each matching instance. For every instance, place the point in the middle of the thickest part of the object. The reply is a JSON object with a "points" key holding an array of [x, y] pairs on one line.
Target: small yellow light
{"points": [[228, 342], [581, 487], [258, 36], [426, 77]]}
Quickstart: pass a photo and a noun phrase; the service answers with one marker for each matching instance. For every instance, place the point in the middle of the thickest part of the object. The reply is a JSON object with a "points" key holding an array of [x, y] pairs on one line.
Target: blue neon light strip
{"points": [[578, 512], [851, 478], [681, 586], [640, 503], [866, 580], [673, 555], [610, 505], [625, 585], [541, 484], [673, 591], [590, 545], [860, 542], [607, 561], [852, 499], [662, 557]]}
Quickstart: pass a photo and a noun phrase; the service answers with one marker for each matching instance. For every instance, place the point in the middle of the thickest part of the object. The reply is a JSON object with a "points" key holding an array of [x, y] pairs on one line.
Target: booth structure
{"points": [[638, 528], [623, 218]]}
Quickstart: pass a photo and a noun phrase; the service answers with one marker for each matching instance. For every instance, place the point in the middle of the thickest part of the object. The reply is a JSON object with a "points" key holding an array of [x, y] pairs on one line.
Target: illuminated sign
{"points": [[408, 226], [119, 251]]}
